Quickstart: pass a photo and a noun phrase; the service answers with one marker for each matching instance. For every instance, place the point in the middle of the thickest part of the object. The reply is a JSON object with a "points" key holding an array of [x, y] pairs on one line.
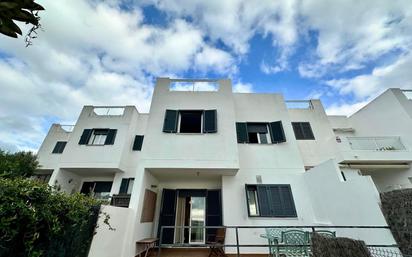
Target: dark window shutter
{"points": [[111, 135], [167, 215], [287, 201], [210, 121], [123, 186], [101, 186], [297, 129], [264, 201], [170, 122], [84, 139], [276, 208], [138, 142], [59, 147], [241, 132], [276, 132], [213, 212], [307, 130]]}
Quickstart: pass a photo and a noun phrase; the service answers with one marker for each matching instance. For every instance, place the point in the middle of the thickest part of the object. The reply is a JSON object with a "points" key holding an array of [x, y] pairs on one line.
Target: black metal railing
{"points": [[376, 250], [121, 200]]}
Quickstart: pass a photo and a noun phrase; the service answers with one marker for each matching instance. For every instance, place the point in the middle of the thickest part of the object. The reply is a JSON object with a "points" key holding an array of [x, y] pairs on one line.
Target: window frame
{"points": [[59, 147], [293, 216], [256, 200], [179, 120], [92, 138]]}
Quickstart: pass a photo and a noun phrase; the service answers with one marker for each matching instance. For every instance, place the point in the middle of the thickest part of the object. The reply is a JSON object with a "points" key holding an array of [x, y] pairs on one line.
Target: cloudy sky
{"points": [[109, 52]]}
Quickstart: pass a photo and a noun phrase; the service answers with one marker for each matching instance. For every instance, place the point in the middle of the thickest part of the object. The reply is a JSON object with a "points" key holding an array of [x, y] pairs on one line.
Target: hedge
{"points": [[36, 220]]}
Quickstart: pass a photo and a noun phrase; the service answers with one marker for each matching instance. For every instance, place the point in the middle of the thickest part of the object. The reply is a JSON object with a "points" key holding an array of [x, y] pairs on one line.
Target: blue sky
{"points": [[110, 52]]}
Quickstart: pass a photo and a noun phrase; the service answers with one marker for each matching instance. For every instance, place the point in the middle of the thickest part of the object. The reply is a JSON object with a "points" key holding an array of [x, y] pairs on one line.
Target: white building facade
{"points": [[211, 158]]}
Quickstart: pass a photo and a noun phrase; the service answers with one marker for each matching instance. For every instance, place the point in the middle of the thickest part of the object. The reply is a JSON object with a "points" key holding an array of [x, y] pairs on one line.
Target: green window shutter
{"points": [[307, 130], [111, 135], [123, 186], [241, 132], [297, 129], [288, 203], [59, 147], [84, 139], [276, 208], [263, 200], [138, 142], [209, 121], [170, 121], [276, 132]]}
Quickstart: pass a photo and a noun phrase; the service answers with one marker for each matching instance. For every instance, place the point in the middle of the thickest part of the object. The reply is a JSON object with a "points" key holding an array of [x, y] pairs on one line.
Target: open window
{"points": [[98, 136], [273, 200], [190, 121], [97, 189], [260, 132]]}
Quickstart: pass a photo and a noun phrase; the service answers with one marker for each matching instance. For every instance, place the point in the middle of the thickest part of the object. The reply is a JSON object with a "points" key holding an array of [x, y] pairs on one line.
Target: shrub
{"points": [[38, 221]]}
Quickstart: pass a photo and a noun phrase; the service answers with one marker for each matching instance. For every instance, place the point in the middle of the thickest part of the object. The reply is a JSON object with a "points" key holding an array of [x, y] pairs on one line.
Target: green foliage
{"points": [[20, 164], [36, 220], [19, 10]]}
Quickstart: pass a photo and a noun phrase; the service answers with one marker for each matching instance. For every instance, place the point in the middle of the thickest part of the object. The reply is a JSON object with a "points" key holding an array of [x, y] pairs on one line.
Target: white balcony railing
{"points": [[376, 143], [299, 104], [109, 110]]}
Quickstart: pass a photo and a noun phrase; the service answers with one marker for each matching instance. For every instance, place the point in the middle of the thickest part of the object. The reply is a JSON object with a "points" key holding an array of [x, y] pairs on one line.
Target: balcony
{"points": [[121, 200], [388, 149]]}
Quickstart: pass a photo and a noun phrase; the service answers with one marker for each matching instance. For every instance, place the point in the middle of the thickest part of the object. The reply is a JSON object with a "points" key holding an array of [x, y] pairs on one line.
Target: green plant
{"points": [[36, 220], [20, 164], [19, 10]]}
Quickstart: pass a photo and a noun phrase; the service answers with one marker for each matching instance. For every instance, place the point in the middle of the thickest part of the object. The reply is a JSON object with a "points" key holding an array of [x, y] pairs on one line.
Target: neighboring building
{"points": [[223, 158]]}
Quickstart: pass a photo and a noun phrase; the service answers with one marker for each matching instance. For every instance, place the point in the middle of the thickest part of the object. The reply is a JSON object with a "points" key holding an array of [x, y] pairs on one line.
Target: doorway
{"points": [[189, 207], [190, 211]]}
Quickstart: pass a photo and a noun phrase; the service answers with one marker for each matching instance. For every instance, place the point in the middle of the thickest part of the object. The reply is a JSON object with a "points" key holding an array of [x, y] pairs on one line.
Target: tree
{"points": [[20, 164], [19, 10]]}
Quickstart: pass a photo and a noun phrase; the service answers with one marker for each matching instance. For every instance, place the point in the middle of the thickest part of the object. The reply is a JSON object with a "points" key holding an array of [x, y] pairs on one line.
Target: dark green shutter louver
{"points": [[276, 132], [111, 135], [210, 121], [288, 204], [241, 132], [84, 139], [123, 186], [276, 208], [170, 121], [307, 130], [138, 142], [297, 129], [263, 200], [59, 147], [303, 131]]}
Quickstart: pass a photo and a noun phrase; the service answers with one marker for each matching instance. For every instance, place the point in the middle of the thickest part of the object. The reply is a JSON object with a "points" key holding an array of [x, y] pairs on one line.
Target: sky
{"points": [[107, 52]]}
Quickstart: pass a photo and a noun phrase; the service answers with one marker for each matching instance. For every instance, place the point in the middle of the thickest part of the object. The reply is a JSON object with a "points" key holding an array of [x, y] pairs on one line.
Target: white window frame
{"points": [[100, 136], [179, 119]]}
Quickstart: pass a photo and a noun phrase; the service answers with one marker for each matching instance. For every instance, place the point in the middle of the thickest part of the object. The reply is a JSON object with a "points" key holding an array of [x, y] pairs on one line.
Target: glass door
{"points": [[197, 218]]}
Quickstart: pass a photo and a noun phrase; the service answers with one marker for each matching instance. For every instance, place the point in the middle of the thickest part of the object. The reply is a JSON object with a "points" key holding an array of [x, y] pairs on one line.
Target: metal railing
{"points": [[120, 200], [376, 143], [407, 93], [299, 104], [67, 128], [108, 110], [376, 250]]}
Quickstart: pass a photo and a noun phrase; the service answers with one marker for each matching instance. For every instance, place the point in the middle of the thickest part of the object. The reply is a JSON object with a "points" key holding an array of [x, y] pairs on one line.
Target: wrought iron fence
{"points": [[288, 249]]}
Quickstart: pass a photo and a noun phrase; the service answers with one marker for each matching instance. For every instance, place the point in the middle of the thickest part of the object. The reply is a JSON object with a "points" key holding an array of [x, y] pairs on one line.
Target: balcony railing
{"points": [[120, 200], [376, 143], [299, 104], [298, 247], [109, 110]]}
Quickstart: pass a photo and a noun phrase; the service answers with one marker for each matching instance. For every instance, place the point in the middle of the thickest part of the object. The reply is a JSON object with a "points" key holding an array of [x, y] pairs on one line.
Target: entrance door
{"points": [[197, 219]]}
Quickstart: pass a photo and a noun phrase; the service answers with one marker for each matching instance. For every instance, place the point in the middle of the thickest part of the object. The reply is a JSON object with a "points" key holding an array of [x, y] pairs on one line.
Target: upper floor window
{"points": [[126, 186], [59, 147], [260, 132], [98, 136], [303, 131], [190, 121], [270, 201]]}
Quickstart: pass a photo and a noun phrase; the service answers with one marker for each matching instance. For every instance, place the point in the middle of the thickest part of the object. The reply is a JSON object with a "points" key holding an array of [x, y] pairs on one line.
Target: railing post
{"points": [[160, 242], [237, 241]]}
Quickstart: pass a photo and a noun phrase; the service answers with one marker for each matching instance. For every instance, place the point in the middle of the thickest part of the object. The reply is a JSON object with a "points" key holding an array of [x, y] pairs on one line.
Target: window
{"points": [[98, 136], [190, 121], [126, 186], [97, 189], [138, 142], [270, 201], [303, 131], [59, 147], [260, 132], [44, 178]]}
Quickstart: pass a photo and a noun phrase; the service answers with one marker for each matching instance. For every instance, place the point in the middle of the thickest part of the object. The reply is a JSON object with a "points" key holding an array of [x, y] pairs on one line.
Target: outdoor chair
{"points": [[216, 243], [273, 235], [295, 244]]}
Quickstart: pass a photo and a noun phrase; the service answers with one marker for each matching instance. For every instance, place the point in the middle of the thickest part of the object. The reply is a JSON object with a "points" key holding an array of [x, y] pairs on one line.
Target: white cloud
{"points": [[345, 109], [240, 87]]}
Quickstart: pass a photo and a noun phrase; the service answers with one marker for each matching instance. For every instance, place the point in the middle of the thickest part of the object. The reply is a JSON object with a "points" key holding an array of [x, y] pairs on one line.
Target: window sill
{"points": [[94, 145]]}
